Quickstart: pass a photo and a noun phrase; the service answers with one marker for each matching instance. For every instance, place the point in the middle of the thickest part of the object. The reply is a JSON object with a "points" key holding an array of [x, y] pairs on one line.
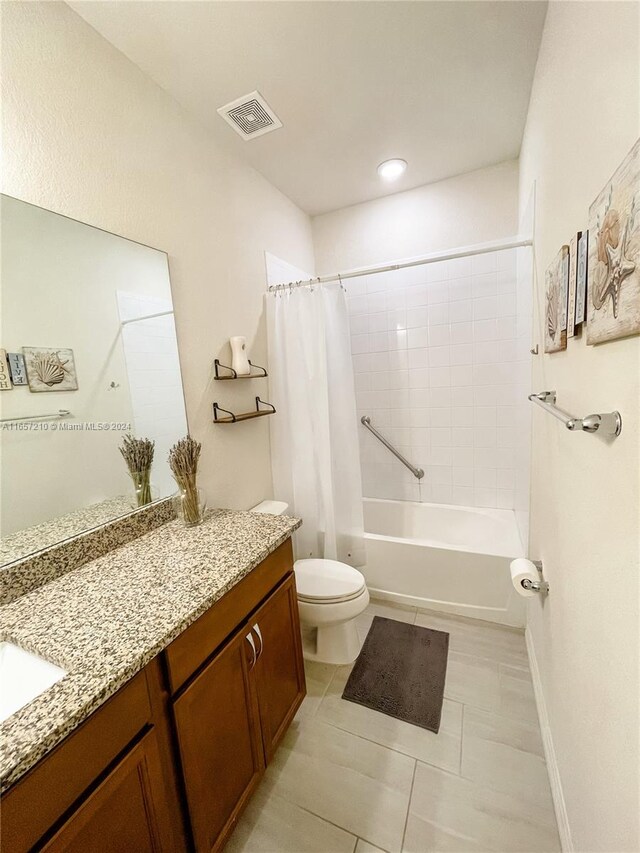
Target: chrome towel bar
{"points": [[606, 423], [61, 413], [365, 420]]}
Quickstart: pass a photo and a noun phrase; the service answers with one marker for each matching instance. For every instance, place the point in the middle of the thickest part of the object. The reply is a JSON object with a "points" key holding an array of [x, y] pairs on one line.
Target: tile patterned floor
{"points": [[350, 780]]}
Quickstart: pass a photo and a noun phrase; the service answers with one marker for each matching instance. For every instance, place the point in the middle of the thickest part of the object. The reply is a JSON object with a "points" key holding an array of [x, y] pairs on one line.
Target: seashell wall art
{"points": [[613, 291], [50, 369]]}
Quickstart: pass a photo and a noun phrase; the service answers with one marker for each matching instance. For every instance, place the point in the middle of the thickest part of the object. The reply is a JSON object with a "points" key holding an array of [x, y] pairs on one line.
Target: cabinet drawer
{"points": [[37, 800], [192, 648]]}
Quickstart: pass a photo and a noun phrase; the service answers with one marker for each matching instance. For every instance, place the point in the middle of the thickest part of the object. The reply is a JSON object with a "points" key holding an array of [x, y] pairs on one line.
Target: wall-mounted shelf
{"points": [[245, 416], [217, 364]]}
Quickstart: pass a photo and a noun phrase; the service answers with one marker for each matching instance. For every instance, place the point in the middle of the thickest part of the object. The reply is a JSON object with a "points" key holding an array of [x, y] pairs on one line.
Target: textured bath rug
{"points": [[400, 672]]}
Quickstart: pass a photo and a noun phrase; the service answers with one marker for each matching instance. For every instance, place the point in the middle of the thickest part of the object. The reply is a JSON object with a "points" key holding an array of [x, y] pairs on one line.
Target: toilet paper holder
{"points": [[536, 586]]}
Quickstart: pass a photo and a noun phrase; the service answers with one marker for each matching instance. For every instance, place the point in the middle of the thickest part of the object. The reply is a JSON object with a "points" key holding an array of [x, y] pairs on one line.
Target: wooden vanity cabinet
{"points": [[168, 764], [232, 715]]}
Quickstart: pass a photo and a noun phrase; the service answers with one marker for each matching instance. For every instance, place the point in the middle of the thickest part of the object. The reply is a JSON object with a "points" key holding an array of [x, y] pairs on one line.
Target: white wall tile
{"points": [[439, 336], [461, 333], [439, 357], [461, 311], [462, 416], [376, 302], [378, 342], [419, 378], [459, 267], [397, 359], [377, 322], [463, 457], [507, 305], [459, 288], [485, 478], [359, 344], [439, 377], [417, 337], [416, 296], [438, 314], [437, 293], [359, 324], [416, 317], [441, 363], [439, 397], [462, 496], [441, 494], [484, 497], [417, 357], [463, 476], [484, 285], [485, 330], [461, 354], [441, 417], [462, 436], [485, 308], [505, 499], [462, 396], [357, 304]]}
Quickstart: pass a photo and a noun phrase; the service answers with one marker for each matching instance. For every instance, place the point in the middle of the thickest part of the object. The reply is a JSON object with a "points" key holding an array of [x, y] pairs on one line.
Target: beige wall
{"points": [[86, 134], [472, 208], [583, 119]]}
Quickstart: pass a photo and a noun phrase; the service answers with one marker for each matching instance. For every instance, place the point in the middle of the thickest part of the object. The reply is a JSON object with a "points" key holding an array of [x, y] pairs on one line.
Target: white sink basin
{"points": [[23, 676]]}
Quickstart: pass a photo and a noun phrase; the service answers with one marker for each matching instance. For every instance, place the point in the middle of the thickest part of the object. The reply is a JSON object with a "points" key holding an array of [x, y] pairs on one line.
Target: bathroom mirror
{"points": [[89, 355]]}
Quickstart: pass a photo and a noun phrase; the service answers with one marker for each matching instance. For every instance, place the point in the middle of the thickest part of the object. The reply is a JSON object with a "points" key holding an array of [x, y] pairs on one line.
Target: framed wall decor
{"points": [[581, 279], [50, 369], [614, 255], [5, 379], [573, 263], [556, 285], [17, 368]]}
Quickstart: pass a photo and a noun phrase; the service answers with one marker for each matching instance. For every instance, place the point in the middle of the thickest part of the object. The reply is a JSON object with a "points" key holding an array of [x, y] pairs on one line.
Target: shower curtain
{"points": [[314, 441]]}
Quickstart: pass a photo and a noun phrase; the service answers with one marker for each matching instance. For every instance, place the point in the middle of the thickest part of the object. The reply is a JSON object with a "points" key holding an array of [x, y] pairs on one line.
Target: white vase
{"points": [[239, 359]]}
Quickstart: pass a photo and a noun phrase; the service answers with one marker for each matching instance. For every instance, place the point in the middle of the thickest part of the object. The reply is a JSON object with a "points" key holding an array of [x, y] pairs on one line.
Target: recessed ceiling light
{"points": [[392, 169]]}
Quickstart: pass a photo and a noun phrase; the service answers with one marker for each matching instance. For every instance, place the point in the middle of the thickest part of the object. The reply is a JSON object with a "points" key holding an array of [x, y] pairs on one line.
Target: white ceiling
{"points": [[444, 85]]}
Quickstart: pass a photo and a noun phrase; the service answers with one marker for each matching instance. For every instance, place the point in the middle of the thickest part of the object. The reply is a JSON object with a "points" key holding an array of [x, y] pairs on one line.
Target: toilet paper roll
{"points": [[521, 569]]}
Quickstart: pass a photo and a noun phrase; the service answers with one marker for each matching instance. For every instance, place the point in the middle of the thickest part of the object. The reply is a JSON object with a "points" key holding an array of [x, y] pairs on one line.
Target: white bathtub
{"points": [[449, 558]]}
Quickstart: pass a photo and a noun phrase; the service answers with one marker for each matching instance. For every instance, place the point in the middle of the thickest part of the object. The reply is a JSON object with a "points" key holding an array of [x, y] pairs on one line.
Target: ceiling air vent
{"points": [[250, 116]]}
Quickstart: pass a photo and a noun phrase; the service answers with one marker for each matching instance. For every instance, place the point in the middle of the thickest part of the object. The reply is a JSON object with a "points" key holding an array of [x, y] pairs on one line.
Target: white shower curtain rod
{"points": [[481, 249]]}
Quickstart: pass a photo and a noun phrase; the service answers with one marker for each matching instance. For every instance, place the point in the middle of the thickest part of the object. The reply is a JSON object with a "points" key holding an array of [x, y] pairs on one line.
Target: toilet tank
{"points": [[271, 507]]}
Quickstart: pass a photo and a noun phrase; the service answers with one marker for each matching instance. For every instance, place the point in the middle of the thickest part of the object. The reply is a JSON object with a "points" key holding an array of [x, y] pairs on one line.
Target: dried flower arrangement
{"points": [[183, 461], [138, 454]]}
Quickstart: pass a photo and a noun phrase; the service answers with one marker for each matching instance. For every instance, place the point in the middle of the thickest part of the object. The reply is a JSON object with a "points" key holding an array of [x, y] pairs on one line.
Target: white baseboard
{"points": [[564, 830]]}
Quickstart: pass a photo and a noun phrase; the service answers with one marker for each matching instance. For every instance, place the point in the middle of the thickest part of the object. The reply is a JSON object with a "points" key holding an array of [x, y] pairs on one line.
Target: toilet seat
{"points": [[327, 581]]}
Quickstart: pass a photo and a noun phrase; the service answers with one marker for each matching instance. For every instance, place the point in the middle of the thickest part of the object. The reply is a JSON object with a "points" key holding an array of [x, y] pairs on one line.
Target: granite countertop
{"points": [[105, 621], [24, 542]]}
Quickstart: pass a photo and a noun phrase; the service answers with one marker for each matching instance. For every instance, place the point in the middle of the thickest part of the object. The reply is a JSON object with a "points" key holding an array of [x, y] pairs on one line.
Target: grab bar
{"points": [[607, 423], [61, 413], [365, 420]]}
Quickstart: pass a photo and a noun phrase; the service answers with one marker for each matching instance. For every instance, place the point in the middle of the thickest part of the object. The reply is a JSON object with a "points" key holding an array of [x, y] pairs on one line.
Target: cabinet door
{"points": [[121, 815], [280, 670], [219, 737]]}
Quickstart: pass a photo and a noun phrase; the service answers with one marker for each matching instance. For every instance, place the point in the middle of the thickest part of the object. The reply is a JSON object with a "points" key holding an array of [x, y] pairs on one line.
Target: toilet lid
{"points": [[327, 580]]}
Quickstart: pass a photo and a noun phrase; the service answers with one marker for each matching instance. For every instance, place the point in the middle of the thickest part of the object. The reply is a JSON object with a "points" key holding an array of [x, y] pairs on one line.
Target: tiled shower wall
{"points": [[437, 369]]}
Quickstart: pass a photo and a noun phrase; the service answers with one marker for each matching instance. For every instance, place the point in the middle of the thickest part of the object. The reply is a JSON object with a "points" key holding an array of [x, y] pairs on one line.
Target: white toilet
{"points": [[331, 596]]}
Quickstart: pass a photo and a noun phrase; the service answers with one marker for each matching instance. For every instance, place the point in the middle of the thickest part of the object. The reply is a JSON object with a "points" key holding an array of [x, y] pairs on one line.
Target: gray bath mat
{"points": [[400, 672]]}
